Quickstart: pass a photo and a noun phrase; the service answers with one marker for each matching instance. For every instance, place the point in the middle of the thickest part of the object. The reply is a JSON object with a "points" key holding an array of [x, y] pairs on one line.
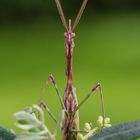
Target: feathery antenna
{"points": [[62, 16], [58, 4], [79, 14]]}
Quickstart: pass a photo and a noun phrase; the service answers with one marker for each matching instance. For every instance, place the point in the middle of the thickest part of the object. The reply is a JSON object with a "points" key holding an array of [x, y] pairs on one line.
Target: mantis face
{"points": [[69, 36]]}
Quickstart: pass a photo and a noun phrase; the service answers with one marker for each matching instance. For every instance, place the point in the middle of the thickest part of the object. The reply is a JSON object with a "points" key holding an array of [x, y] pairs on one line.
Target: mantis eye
{"points": [[73, 35], [69, 35], [65, 35]]}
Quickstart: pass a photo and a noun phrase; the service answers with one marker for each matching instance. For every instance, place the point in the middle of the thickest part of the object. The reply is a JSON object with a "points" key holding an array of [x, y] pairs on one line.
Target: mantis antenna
{"points": [[79, 14], [62, 16]]}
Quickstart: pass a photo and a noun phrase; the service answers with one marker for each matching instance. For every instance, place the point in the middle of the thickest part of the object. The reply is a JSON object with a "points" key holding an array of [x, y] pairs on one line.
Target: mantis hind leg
{"points": [[41, 103], [96, 87], [52, 80]]}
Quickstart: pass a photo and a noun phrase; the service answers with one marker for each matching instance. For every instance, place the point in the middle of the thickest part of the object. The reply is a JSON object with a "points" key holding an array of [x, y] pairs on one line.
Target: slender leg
{"points": [[52, 80], [42, 104], [96, 87]]}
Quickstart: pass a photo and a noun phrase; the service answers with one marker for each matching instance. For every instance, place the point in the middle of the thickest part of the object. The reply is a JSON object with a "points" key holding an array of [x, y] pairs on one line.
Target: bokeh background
{"points": [[107, 51]]}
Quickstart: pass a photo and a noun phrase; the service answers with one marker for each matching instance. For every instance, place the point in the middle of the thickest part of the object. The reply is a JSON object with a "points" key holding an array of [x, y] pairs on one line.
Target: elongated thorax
{"points": [[71, 122]]}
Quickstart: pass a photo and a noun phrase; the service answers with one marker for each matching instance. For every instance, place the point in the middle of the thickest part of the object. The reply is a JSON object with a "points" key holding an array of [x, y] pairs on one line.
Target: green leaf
{"points": [[125, 131], [6, 134], [30, 137]]}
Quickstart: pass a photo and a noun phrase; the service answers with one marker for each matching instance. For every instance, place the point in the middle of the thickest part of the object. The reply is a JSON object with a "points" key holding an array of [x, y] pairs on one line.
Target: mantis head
{"points": [[69, 35]]}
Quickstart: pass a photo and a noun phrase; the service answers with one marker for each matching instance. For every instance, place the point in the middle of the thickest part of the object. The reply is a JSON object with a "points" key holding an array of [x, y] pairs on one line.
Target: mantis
{"points": [[69, 102]]}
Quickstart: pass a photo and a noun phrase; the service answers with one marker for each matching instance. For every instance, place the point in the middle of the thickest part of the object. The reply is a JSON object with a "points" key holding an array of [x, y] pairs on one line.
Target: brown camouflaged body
{"points": [[71, 121]]}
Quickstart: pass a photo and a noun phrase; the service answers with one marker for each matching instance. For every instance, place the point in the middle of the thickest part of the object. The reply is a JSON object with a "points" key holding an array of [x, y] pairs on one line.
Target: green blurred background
{"points": [[107, 51]]}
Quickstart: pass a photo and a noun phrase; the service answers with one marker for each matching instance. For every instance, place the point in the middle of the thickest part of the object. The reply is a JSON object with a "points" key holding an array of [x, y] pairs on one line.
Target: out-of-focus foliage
{"points": [[126, 131], [6, 134], [28, 8]]}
